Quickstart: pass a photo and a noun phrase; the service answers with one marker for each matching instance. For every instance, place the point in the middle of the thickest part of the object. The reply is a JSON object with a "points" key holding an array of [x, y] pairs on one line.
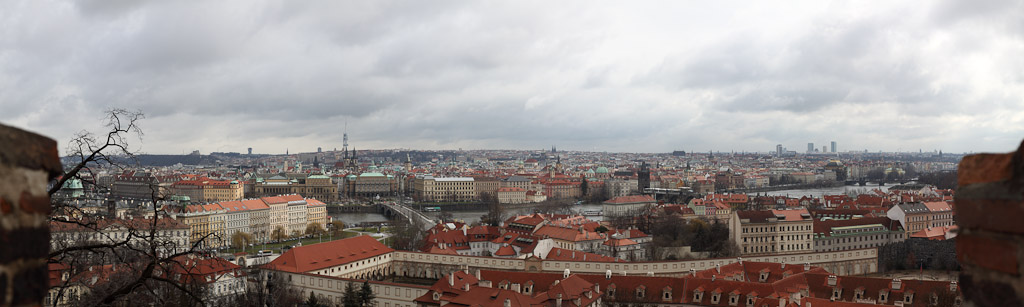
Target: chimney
{"points": [[608, 274], [693, 272], [649, 273], [718, 268], [465, 287], [832, 280], [807, 266], [485, 284], [464, 231], [597, 287], [897, 284], [558, 300], [508, 303], [517, 288], [478, 274], [782, 302], [783, 263], [451, 280], [565, 274], [713, 277], [952, 286], [739, 259]]}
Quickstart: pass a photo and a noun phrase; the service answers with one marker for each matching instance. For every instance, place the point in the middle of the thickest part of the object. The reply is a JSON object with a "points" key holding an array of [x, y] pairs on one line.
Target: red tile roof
{"points": [[631, 199], [328, 254]]}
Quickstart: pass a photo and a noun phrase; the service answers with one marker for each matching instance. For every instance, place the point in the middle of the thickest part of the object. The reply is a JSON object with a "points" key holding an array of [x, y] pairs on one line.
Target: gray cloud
{"points": [[446, 74]]}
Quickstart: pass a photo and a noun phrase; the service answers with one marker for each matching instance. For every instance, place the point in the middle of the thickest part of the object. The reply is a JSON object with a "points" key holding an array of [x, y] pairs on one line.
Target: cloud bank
{"points": [[605, 76]]}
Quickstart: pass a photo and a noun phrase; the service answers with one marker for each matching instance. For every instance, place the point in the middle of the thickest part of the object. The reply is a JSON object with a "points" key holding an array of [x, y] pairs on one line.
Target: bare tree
{"points": [[495, 212], [406, 235], [133, 254]]}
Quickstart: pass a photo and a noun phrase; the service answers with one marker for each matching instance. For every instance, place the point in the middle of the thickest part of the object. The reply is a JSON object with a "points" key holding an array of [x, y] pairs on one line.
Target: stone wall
{"points": [[27, 163], [990, 213]]}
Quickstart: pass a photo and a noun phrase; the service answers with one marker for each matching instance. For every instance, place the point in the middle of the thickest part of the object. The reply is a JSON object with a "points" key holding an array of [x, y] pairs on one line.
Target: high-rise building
{"points": [[833, 146], [319, 149], [250, 150], [778, 150], [810, 147]]}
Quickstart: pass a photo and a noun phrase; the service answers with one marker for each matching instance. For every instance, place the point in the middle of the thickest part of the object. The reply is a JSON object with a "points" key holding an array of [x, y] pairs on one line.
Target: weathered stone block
{"points": [[30, 285]]}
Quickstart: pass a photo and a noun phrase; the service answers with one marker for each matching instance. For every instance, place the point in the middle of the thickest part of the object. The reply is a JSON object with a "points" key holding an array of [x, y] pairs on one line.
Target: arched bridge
{"points": [[410, 214]]}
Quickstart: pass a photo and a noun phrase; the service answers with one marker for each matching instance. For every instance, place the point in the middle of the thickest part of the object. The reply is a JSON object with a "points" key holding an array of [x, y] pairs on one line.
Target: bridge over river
{"points": [[390, 209]]}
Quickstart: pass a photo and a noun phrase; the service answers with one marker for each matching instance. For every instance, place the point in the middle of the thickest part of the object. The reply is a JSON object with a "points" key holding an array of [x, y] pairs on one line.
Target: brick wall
{"points": [[27, 163], [990, 213]]}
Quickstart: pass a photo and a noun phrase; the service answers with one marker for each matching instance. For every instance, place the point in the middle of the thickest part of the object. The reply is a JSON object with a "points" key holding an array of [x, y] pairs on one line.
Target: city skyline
{"points": [[637, 77]]}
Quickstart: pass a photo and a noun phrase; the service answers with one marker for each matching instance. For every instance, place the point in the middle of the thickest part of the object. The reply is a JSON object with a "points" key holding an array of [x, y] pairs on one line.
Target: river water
{"points": [[474, 216], [467, 216], [827, 191]]}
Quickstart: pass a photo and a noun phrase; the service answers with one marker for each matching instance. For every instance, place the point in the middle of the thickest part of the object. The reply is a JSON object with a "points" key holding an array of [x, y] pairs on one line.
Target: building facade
{"points": [[773, 232]]}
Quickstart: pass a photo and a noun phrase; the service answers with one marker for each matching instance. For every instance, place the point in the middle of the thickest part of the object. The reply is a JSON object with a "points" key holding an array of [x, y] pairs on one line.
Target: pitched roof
{"points": [[328, 254], [631, 199]]}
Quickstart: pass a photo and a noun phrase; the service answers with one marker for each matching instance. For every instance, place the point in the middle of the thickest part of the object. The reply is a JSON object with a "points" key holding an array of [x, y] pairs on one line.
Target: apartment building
{"points": [[511, 195], [919, 216], [217, 222], [171, 236], [773, 231], [141, 185], [839, 235], [207, 190], [430, 189]]}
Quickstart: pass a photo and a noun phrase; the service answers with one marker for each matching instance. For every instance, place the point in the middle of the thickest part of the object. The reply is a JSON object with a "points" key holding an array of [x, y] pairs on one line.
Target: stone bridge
{"points": [[397, 210]]}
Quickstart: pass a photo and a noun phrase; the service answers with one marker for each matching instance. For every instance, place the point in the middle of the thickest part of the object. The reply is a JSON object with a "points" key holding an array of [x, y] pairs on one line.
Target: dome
{"points": [[602, 170], [73, 184]]}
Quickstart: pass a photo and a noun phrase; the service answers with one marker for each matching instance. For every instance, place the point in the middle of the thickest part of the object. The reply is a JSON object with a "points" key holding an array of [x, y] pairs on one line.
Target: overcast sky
{"points": [[587, 75]]}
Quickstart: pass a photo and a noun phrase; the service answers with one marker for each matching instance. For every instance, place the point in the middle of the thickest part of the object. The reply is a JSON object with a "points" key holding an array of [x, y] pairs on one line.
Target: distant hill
{"points": [[168, 160], [158, 160]]}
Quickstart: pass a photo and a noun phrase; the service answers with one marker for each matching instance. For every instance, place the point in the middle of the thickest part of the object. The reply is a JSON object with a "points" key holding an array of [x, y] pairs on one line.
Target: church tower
{"points": [[408, 163]]}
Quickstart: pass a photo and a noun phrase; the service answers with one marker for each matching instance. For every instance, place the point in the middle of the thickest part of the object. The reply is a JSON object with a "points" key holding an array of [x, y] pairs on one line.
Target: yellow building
{"points": [[206, 190], [430, 189], [316, 212]]}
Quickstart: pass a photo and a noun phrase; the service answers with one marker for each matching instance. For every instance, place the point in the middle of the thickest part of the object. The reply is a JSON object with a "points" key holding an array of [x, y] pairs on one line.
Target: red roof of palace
{"points": [[328, 254]]}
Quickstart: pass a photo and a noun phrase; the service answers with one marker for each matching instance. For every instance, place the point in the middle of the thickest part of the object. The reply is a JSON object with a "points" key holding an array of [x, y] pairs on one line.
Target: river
{"points": [[474, 216], [467, 216], [818, 192]]}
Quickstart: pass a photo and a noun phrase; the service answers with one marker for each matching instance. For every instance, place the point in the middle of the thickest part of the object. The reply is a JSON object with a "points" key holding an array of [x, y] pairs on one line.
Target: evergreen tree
{"points": [[351, 298], [366, 295], [584, 186], [312, 301]]}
